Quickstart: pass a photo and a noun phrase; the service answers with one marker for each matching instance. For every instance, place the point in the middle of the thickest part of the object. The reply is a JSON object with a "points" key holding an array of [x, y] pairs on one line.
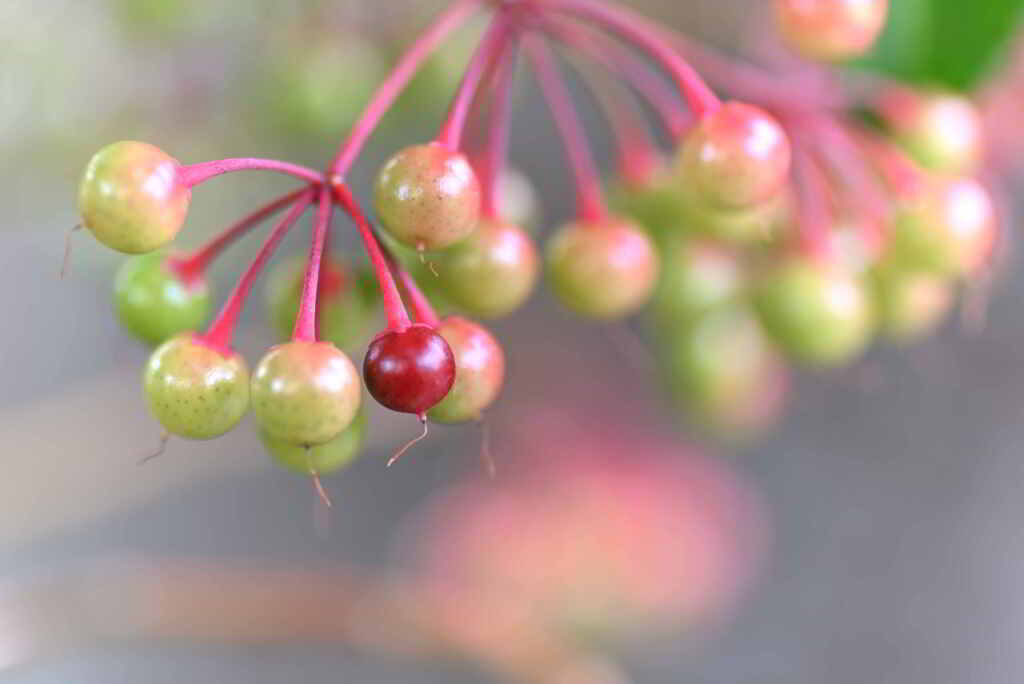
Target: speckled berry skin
{"points": [[195, 390], [492, 272], [154, 303], [409, 371], [602, 270], [428, 197], [305, 393], [831, 30], [130, 197], [819, 314], [479, 371], [735, 157], [324, 459]]}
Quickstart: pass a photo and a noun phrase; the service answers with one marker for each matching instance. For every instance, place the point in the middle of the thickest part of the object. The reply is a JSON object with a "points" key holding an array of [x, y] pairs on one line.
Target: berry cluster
{"points": [[789, 225]]}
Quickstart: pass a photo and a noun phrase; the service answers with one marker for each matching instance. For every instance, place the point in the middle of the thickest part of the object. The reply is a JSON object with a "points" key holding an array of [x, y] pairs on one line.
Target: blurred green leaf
{"points": [[951, 43]]}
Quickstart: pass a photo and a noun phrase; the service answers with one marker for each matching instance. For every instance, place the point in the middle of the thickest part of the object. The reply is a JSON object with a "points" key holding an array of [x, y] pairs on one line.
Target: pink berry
{"points": [[479, 371], [943, 131], [409, 371], [831, 29]]}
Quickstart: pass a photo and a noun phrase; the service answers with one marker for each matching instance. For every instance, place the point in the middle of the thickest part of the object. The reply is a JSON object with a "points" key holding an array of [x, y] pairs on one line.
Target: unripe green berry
{"points": [[819, 313], [910, 305], [195, 390], [758, 224], [305, 393], [655, 203], [428, 197], [155, 303], [602, 270], [492, 272], [696, 277], [943, 131], [131, 199], [831, 29], [479, 371], [735, 157], [322, 459]]}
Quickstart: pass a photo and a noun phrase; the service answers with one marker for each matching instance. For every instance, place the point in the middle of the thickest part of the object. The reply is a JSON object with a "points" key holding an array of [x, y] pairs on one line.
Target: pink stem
{"points": [[305, 322], [395, 83], [496, 152], [191, 176], [191, 268], [483, 59], [637, 30], [589, 197], [814, 215], [421, 306], [398, 317], [221, 332]]}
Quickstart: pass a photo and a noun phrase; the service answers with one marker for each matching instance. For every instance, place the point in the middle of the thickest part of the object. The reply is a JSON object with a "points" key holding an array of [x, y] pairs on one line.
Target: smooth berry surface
{"points": [[195, 390], [322, 459], [130, 197], [942, 131], [154, 303], [831, 29], [492, 272], [698, 276], [736, 156], [305, 393], [479, 371], [909, 305], [409, 371], [602, 270], [428, 197]]}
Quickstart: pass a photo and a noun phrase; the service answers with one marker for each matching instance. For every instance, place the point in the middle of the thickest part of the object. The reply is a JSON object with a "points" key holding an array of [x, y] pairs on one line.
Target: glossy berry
{"points": [[818, 313], [831, 29], [428, 197], [154, 303], [305, 393], [490, 273], [322, 459], [479, 371], [409, 371], [942, 131], [195, 390], [697, 277], [726, 373], [910, 305], [346, 306], [655, 203], [602, 270], [737, 156], [130, 197], [758, 224]]}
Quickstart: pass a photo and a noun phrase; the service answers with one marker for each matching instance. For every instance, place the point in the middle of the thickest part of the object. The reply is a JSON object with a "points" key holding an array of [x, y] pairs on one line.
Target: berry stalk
{"points": [[398, 317], [421, 307], [589, 197], [389, 90], [222, 329], [191, 268], [496, 151], [305, 321], [813, 210], [191, 176]]}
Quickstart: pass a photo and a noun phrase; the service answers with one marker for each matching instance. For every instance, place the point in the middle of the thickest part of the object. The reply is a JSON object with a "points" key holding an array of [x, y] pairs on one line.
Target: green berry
{"points": [[196, 391], [322, 459], [130, 197], [941, 130], [479, 371], [655, 203], [758, 224], [602, 270], [428, 197], [305, 393], [819, 313], [697, 276], [910, 305], [155, 303], [492, 272]]}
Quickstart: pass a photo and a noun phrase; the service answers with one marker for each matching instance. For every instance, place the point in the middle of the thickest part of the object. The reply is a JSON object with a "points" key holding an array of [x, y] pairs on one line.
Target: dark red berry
{"points": [[409, 371]]}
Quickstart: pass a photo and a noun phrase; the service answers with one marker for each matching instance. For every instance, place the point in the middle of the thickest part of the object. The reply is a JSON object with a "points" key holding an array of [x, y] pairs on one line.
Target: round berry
{"points": [[910, 305], [490, 273], [154, 303], [130, 197], [736, 156], [479, 371], [831, 29], [697, 277], [819, 313], [941, 130], [322, 459], [409, 371], [602, 270], [758, 224], [428, 197], [655, 203], [305, 393], [346, 306], [726, 373], [195, 390], [517, 199]]}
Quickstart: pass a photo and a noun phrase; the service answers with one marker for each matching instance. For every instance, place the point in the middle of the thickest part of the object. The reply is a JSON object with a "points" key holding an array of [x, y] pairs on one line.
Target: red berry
{"points": [[409, 371], [737, 156], [831, 29], [480, 371]]}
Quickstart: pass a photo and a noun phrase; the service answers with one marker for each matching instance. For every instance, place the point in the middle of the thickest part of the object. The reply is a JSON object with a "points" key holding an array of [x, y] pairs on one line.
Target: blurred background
{"points": [[873, 535]]}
